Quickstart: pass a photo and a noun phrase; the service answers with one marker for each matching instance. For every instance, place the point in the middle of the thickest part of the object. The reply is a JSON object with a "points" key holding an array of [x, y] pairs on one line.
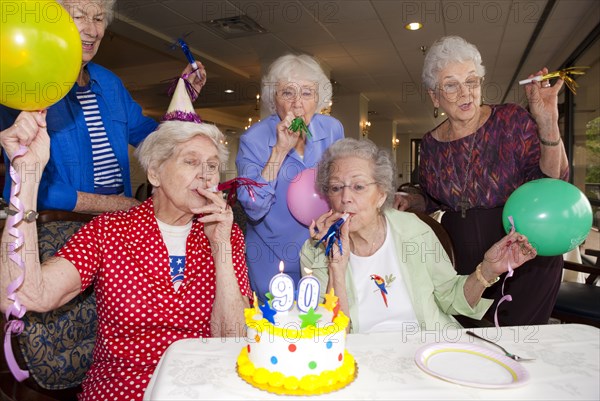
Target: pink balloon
{"points": [[304, 202]]}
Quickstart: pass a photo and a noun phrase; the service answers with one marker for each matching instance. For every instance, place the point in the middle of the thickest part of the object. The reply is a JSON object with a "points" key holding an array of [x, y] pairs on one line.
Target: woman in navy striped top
{"points": [[90, 129]]}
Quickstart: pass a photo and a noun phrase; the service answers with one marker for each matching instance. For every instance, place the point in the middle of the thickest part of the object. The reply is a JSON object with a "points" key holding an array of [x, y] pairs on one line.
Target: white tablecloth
{"points": [[567, 367]]}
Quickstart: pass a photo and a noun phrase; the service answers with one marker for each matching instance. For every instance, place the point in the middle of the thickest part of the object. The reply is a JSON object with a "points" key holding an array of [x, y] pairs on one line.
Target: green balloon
{"points": [[555, 216]]}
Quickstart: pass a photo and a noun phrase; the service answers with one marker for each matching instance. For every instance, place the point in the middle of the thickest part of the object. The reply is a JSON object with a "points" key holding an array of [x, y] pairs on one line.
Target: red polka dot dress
{"points": [[139, 313]]}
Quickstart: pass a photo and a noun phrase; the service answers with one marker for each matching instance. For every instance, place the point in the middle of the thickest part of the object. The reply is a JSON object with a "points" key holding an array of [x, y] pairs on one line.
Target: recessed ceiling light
{"points": [[413, 26], [229, 91]]}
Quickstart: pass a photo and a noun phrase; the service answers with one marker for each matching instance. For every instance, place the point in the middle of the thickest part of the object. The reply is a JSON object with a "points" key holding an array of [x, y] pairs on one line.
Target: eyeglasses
{"points": [[453, 87], [357, 187], [290, 94]]}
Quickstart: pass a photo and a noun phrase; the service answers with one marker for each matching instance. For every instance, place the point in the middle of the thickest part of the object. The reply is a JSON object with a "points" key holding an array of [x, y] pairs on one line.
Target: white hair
{"points": [[296, 67], [160, 145], [447, 50], [383, 168], [108, 6]]}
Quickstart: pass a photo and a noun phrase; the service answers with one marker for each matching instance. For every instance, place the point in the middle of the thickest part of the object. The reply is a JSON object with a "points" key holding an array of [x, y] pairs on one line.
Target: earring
{"points": [[482, 100], [435, 112]]}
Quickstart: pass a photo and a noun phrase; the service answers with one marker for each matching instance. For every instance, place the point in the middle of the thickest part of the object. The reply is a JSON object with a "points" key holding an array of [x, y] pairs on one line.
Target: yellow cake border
{"points": [[348, 371], [263, 325]]}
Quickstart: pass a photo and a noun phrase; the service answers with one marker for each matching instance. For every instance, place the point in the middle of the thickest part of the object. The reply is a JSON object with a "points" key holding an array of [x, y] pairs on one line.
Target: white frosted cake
{"points": [[299, 353]]}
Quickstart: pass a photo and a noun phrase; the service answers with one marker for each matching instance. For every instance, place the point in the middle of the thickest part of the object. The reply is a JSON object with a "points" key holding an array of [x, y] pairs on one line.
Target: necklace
{"points": [[376, 240], [464, 204]]}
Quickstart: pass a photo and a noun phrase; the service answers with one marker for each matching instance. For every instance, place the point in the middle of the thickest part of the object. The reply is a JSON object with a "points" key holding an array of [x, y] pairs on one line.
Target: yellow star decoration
{"points": [[330, 300]]}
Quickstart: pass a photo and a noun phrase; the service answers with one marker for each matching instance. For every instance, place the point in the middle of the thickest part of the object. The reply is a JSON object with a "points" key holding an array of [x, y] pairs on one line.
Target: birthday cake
{"points": [[297, 353]]}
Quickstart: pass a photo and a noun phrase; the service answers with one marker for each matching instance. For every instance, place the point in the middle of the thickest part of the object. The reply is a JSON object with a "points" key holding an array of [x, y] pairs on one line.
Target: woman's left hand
{"points": [[197, 81], [514, 250], [217, 217], [543, 100]]}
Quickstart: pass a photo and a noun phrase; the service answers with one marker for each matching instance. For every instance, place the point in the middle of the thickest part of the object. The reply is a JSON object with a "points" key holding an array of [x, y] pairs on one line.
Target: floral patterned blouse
{"points": [[484, 168], [139, 313]]}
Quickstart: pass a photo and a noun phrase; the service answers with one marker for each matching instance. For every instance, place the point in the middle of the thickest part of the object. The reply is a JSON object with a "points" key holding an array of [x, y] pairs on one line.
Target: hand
{"points": [[197, 82], [29, 129], [543, 101], [286, 138], [217, 217], [320, 228], [513, 249], [125, 202], [401, 201], [409, 202]]}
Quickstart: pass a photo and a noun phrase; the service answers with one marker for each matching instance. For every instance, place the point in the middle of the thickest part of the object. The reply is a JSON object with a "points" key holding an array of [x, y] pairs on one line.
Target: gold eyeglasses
{"points": [[290, 94], [356, 187], [452, 88]]}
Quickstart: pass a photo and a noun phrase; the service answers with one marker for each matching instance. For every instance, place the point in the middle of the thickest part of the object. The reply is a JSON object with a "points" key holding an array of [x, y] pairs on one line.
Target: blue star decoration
{"points": [[309, 319], [268, 313]]}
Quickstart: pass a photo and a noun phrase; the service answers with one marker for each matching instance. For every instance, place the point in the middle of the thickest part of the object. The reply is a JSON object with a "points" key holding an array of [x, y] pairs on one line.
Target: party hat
{"points": [[180, 108]]}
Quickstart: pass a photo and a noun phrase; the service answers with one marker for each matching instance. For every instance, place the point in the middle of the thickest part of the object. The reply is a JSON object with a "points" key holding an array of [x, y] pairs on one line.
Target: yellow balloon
{"points": [[40, 53]]}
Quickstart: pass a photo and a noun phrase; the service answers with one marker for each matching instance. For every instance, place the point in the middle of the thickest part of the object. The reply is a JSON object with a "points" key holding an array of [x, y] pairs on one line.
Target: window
{"points": [[584, 108]]}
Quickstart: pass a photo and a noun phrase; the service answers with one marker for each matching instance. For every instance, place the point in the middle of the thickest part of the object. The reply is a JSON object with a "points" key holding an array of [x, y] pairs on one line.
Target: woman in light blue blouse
{"points": [[271, 153]]}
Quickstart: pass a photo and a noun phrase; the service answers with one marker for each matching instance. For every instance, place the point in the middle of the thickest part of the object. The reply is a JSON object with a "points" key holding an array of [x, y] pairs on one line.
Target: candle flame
{"points": [[281, 266], [308, 271]]}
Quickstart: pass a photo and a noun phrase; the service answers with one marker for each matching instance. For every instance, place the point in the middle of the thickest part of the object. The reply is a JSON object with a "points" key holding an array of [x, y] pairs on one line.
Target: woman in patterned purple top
{"points": [[474, 160]]}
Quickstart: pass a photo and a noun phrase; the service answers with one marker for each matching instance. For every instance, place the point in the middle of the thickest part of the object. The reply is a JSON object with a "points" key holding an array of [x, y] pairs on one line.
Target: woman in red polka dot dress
{"points": [[168, 269]]}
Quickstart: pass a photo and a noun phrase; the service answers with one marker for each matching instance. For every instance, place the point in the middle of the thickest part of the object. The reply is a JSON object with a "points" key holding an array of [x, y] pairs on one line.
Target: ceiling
{"points": [[361, 43]]}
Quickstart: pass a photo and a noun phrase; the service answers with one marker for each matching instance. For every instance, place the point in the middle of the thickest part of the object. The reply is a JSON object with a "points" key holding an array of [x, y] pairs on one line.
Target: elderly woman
{"points": [[90, 128], [473, 161], [144, 303], [392, 271], [273, 154]]}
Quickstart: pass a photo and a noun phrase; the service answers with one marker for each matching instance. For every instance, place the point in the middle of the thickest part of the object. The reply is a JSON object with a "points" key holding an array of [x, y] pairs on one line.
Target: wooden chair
{"points": [[441, 233], [580, 302], [143, 191], [446, 242], [56, 347]]}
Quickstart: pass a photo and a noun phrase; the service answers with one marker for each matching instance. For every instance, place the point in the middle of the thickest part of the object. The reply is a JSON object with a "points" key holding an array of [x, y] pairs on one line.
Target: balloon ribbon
{"points": [[191, 91], [562, 74], [298, 124], [333, 235], [15, 326], [232, 185], [510, 273]]}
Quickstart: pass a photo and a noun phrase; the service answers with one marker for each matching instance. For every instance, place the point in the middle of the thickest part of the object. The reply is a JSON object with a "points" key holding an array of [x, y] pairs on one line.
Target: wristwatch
{"points": [[30, 216]]}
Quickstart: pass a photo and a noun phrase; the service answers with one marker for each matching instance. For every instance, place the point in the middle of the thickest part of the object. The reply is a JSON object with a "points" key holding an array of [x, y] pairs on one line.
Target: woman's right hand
{"points": [[338, 261], [286, 138], [409, 202], [29, 130], [401, 201]]}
